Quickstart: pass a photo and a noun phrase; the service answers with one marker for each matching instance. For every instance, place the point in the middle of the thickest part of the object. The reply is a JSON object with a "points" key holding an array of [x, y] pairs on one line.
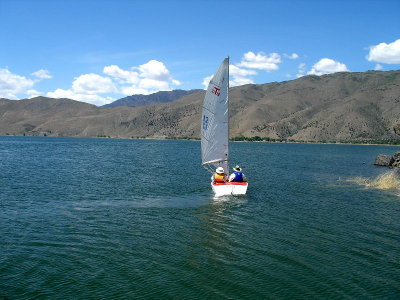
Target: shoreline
{"points": [[375, 143]]}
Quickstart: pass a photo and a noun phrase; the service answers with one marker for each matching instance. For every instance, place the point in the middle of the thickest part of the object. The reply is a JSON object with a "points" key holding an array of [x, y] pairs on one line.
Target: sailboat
{"points": [[215, 131]]}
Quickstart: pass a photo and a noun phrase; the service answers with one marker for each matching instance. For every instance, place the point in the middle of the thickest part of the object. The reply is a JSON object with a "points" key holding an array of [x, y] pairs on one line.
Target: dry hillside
{"points": [[336, 107]]}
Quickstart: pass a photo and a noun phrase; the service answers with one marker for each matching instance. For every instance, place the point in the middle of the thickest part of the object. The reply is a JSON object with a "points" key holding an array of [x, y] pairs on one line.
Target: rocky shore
{"points": [[388, 160]]}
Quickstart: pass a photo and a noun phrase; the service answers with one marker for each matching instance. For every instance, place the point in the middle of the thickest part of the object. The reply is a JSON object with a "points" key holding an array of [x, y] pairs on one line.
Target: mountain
{"points": [[397, 128], [156, 98], [336, 107]]}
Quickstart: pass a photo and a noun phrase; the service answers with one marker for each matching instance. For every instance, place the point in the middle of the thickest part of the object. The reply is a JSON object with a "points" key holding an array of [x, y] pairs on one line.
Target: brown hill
{"points": [[397, 128], [336, 107], [152, 99]]}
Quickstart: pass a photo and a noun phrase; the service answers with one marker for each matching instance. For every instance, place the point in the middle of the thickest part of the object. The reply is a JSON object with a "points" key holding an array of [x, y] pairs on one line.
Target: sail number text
{"points": [[216, 91], [205, 122]]}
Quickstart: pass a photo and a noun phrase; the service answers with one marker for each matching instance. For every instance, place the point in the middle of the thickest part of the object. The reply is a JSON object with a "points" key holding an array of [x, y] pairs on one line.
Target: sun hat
{"points": [[237, 168], [220, 170]]}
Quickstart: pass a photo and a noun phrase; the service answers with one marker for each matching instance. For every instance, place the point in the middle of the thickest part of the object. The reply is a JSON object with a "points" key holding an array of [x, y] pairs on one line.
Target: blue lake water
{"points": [[136, 219]]}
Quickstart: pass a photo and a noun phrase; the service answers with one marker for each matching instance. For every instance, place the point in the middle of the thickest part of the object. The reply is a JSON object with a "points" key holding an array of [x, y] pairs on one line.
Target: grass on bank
{"points": [[252, 139]]}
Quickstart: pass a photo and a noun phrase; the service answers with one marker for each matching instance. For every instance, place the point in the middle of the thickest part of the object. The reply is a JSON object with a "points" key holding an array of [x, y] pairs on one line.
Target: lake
{"points": [[136, 219]]}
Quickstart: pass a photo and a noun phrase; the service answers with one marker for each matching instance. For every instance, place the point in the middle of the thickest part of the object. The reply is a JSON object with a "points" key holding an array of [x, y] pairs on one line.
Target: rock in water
{"points": [[384, 160], [396, 160]]}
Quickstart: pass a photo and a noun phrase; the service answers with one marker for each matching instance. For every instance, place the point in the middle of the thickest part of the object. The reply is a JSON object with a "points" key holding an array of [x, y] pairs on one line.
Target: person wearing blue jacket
{"points": [[237, 176]]}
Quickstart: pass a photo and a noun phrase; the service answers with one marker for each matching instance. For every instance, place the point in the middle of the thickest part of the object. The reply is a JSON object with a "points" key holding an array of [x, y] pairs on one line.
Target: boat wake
{"points": [[387, 181]]}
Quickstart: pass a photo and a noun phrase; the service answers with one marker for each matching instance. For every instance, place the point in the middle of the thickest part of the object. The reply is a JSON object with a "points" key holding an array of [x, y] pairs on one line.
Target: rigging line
{"points": [[205, 138], [208, 168], [213, 113]]}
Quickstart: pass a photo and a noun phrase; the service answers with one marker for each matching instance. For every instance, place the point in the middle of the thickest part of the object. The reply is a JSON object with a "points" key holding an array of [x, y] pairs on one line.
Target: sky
{"points": [[100, 51]]}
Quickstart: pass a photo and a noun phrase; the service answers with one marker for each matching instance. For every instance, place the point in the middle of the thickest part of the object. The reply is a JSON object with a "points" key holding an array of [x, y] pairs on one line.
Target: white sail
{"points": [[215, 120]]}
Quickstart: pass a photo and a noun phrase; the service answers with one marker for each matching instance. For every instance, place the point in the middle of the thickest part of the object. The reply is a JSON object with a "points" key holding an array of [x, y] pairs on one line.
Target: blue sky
{"points": [[100, 51]]}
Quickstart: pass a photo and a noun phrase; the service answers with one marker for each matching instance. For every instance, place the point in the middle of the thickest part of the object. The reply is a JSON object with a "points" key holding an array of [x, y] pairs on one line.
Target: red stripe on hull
{"points": [[229, 183]]}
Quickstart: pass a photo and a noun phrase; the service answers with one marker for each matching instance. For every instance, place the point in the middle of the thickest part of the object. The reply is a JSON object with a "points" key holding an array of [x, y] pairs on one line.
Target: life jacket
{"points": [[238, 177], [219, 177]]}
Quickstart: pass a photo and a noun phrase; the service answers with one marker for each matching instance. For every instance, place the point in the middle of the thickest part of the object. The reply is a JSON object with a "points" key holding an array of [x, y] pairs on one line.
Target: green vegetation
{"points": [[282, 140], [183, 138]]}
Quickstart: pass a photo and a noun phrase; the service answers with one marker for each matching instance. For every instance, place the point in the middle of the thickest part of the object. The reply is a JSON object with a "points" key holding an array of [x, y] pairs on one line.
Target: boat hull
{"points": [[229, 188]]}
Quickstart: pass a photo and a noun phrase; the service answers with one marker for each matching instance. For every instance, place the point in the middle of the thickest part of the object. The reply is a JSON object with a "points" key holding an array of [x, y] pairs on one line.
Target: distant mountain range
{"points": [[336, 107], [156, 98]]}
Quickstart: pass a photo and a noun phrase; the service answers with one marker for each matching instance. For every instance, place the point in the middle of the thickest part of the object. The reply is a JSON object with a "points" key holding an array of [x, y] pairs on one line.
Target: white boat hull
{"points": [[229, 188]]}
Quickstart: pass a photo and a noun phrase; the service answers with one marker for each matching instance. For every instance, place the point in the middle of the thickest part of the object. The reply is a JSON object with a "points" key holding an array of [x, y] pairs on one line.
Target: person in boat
{"points": [[219, 175], [237, 176]]}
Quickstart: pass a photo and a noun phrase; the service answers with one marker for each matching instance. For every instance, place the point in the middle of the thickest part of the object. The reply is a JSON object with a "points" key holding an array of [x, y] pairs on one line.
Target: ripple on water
{"points": [[78, 223]]}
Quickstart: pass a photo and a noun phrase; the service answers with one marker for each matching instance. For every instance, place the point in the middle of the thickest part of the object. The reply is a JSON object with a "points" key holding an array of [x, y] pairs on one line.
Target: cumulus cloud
{"points": [[301, 70], [42, 74], [132, 90], [123, 76], [87, 88], [89, 98], [239, 76], [147, 78], [260, 61], [206, 81], [385, 53], [11, 85], [292, 56], [236, 71], [154, 70], [93, 84], [378, 67], [33, 93], [327, 66], [236, 81], [153, 84]]}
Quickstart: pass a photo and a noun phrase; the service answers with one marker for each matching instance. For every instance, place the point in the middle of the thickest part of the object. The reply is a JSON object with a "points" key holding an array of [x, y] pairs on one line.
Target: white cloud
{"points": [[11, 85], [206, 81], [123, 76], [385, 53], [87, 88], [260, 61], [239, 76], [89, 98], [236, 81], [93, 84], [301, 70], [292, 56], [132, 90], [33, 93], [145, 79], [42, 74], [378, 67], [60, 93], [154, 70], [154, 85], [236, 71], [327, 66]]}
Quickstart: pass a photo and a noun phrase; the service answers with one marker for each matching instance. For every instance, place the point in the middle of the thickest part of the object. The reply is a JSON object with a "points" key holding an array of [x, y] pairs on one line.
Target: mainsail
{"points": [[215, 120]]}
